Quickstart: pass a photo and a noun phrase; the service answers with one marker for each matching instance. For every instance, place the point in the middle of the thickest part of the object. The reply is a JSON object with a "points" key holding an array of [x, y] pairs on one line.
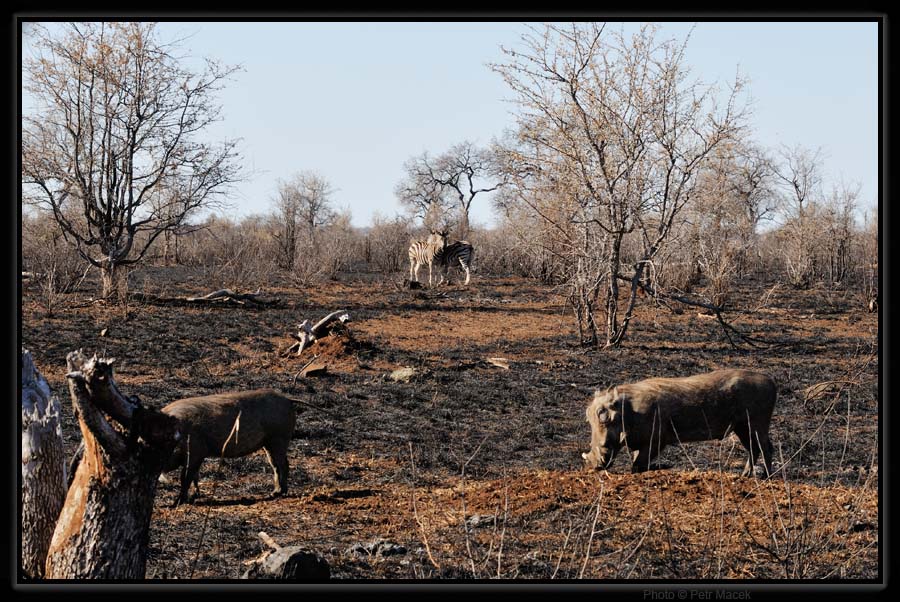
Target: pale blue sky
{"points": [[353, 101]]}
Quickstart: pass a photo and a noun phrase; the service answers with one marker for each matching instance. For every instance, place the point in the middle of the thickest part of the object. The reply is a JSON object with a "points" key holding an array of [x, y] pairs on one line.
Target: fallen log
{"points": [[220, 297], [227, 295], [500, 362]]}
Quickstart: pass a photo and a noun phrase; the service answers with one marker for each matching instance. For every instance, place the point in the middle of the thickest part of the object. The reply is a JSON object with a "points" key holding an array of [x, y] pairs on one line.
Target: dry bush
{"points": [[331, 250], [505, 251], [865, 260], [338, 245], [54, 263], [387, 243], [232, 254]]}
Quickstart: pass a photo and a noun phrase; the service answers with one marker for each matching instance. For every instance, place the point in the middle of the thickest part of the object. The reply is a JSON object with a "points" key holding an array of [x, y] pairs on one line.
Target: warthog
{"points": [[230, 425], [650, 414]]}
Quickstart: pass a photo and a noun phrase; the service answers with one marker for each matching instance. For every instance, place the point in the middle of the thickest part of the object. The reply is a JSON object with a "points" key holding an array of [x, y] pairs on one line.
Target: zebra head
{"points": [[438, 238]]}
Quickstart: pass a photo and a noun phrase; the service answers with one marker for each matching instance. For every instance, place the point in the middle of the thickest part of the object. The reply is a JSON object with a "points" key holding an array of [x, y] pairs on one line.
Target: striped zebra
{"points": [[459, 255], [435, 250], [426, 251]]}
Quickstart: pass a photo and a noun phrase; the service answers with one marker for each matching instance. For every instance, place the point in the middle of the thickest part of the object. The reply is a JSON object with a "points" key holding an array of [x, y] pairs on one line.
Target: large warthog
{"points": [[229, 425], [650, 414]]}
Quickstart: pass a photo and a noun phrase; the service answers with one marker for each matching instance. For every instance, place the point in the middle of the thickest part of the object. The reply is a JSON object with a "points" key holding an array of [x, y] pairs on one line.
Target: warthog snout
{"points": [[602, 458]]}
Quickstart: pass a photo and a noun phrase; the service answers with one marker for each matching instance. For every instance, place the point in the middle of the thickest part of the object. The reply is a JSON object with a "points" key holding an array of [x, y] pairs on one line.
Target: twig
{"points": [[305, 366], [562, 551], [463, 499], [587, 552], [416, 512], [268, 540], [505, 517]]}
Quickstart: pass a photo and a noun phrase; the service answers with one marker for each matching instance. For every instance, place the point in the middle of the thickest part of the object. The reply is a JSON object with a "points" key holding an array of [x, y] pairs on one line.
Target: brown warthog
{"points": [[650, 414], [229, 425]]}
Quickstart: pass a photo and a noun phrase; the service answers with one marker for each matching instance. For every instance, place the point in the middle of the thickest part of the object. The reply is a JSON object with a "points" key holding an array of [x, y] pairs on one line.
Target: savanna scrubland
{"points": [[640, 231]]}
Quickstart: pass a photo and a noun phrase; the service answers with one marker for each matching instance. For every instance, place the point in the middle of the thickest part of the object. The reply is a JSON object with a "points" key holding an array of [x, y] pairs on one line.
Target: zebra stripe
{"points": [[458, 254]]}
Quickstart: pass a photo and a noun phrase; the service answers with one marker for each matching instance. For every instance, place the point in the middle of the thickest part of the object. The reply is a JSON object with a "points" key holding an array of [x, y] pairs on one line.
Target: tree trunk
{"points": [[629, 310], [104, 526], [167, 247], [43, 468], [462, 229], [612, 298], [114, 279], [170, 248]]}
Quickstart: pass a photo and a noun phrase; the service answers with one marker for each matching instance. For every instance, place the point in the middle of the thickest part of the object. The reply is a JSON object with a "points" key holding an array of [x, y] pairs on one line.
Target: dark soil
{"points": [[473, 470]]}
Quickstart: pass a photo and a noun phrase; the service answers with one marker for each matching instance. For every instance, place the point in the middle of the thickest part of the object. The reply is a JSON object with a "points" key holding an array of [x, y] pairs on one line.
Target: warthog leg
{"points": [[642, 457], [190, 473], [755, 444], [767, 452], [277, 456]]}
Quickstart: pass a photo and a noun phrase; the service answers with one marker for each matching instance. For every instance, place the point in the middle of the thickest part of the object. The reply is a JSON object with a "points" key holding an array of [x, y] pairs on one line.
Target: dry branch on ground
{"points": [[309, 334], [220, 297]]}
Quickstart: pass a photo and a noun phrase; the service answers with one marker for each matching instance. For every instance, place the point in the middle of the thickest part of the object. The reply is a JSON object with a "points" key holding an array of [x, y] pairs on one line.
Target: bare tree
{"points": [[616, 129], [454, 178], [867, 260], [751, 184], [286, 223], [303, 208], [315, 209], [721, 225], [839, 232], [116, 119], [421, 194], [798, 172]]}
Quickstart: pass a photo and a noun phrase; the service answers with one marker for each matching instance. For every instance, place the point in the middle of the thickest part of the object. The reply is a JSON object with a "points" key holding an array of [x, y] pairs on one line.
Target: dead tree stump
{"points": [[308, 334], [43, 468], [104, 526]]}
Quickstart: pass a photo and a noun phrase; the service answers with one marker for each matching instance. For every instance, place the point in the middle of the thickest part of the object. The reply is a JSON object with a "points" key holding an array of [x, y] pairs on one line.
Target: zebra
{"points": [[435, 250], [425, 252], [459, 255]]}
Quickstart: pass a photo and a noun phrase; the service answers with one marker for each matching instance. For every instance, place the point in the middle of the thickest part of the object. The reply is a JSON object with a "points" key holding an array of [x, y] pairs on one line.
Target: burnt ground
{"points": [[473, 470]]}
